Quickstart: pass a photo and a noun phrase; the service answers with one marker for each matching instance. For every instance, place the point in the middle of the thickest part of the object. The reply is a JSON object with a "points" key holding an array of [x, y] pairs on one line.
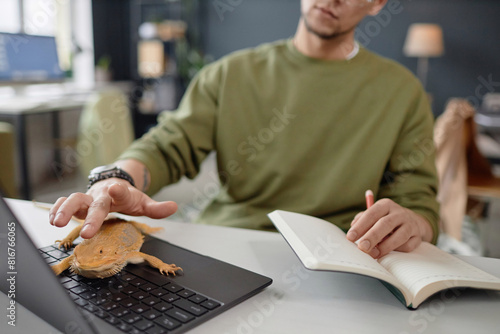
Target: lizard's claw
{"points": [[168, 269], [65, 243]]}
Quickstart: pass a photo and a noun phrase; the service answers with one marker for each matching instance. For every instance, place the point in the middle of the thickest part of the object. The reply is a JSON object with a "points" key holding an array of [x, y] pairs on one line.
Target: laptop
{"points": [[137, 300]]}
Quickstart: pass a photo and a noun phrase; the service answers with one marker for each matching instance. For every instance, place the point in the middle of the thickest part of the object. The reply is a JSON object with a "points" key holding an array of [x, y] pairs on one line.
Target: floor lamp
{"points": [[424, 40]]}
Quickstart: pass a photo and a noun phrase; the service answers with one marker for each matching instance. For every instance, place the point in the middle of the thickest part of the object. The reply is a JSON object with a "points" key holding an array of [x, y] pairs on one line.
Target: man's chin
{"points": [[322, 32]]}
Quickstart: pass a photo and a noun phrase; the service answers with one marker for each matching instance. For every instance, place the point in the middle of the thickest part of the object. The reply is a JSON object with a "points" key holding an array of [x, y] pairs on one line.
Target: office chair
{"points": [[7, 164], [105, 129]]}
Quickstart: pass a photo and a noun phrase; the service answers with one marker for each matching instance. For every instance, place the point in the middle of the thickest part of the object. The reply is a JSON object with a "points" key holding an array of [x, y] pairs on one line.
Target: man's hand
{"points": [[111, 195], [387, 226]]}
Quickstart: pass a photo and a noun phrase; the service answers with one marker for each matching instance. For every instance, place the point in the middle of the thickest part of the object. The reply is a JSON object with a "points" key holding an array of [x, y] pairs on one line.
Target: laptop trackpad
{"points": [[211, 277]]}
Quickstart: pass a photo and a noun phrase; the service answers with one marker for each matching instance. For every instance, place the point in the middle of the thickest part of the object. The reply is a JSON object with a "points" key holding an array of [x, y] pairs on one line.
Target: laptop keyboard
{"points": [[132, 302]]}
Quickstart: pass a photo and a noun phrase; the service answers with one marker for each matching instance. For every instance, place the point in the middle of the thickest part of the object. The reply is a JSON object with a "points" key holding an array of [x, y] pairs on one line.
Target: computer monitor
{"points": [[28, 59]]}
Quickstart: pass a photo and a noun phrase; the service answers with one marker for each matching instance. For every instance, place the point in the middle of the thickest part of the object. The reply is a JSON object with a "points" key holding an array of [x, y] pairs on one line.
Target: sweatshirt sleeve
{"points": [[410, 178], [182, 139]]}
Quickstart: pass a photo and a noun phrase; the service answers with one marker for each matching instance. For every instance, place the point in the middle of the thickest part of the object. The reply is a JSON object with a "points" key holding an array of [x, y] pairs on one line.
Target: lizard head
{"points": [[97, 262]]}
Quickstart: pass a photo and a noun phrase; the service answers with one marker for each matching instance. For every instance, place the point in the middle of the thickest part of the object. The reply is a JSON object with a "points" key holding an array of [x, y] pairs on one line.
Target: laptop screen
{"points": [[29, 59], [30, 282]]}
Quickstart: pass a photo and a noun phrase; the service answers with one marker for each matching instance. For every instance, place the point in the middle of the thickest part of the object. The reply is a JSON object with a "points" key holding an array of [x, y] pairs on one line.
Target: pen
{"points": [[369, 198]]}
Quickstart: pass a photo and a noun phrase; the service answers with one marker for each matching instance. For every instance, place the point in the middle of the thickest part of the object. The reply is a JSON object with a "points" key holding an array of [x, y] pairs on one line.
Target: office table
{"points": [[298, 301], [17, 116]]}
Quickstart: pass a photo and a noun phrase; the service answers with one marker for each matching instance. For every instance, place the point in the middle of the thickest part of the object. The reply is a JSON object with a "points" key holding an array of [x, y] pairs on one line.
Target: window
{"points": [[10, 20]]}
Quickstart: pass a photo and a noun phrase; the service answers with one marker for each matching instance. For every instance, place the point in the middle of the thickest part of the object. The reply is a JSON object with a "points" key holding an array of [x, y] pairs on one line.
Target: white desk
{"points": [[16, 114], [298, 301]]}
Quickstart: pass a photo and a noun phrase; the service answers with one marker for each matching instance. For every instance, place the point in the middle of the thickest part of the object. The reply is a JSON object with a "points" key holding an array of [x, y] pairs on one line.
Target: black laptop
{"points": [[137, 300]]}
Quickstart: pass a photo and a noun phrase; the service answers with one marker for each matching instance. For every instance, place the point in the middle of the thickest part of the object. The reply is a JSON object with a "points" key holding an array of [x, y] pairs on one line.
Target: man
{"points": [[305, 125]]}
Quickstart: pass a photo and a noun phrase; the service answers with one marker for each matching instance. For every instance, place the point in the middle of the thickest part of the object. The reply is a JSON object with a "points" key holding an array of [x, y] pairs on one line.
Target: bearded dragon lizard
{"points": [[116, 244]]}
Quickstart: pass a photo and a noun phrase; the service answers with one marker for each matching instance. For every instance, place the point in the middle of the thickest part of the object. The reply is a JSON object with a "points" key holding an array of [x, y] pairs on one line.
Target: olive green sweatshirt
{"points": [[299, 134]]}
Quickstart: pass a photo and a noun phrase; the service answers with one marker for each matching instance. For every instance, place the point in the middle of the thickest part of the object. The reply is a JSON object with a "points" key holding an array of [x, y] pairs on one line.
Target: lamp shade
{"points": [[424, 40]]}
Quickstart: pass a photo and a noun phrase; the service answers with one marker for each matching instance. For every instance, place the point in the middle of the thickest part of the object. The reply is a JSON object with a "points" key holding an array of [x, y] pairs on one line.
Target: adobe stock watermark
{"points": [[258, 142], [292, 279], [223, 6], [408, 163], [371, 29], [421, 318], [249, 148], [95, 137], [486, 85]]}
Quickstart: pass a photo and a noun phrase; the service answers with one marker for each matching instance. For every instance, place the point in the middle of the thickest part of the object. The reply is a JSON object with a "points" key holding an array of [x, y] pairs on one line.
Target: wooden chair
{"points": [[7, 164], [465, 175]]}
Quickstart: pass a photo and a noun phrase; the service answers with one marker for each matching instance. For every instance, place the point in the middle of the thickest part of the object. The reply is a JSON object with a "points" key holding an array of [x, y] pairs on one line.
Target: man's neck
{"points": [[337, 48]]}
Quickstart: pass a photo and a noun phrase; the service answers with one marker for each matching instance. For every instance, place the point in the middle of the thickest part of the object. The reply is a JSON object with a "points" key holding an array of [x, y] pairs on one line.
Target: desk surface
{"points": [[298, 301]]}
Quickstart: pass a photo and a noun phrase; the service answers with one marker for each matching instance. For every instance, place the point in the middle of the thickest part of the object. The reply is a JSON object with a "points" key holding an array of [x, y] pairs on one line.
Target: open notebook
{"points": [[412, 277]]}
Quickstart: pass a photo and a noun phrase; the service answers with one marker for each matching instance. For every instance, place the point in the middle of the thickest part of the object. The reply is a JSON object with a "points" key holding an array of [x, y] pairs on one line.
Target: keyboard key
{"points": [[197, 299], [76, 277], [143, 324], [180, 315], [173, 288], [81, 302], [57, 254], [131, 318], [117, 287], [104, 293], [186, 293], [210, 304], [98, 300], [170, 298], [128, 302], [112, 320], [146, 275], [192, 308], [90, 307], [129, 290], [139, 295], [150, 301], [151, 314], [147, 287], [127, 277], [73, 296], [155, 330], [162, 306], [70, 284], [118, 297], [124, 327], [120, 311], [100, 313], [158, 292], [135, 331], [79, 289], [64, 279], [139, 308], [138, 282], [167, 322], [109, 306], [47, 249], [88, 295]]}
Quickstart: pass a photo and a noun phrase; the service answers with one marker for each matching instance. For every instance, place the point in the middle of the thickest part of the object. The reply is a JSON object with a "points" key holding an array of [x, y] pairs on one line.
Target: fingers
{"points": [[97, 212], [401, 239], [143, 205], [385, 227], [65, 208], [367, 219], [158, 210], [99, 202], [356, 218]]}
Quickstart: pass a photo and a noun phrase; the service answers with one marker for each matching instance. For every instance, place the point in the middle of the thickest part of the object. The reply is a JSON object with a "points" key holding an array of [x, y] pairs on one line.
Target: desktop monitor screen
{"points": [[28, 59]]}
